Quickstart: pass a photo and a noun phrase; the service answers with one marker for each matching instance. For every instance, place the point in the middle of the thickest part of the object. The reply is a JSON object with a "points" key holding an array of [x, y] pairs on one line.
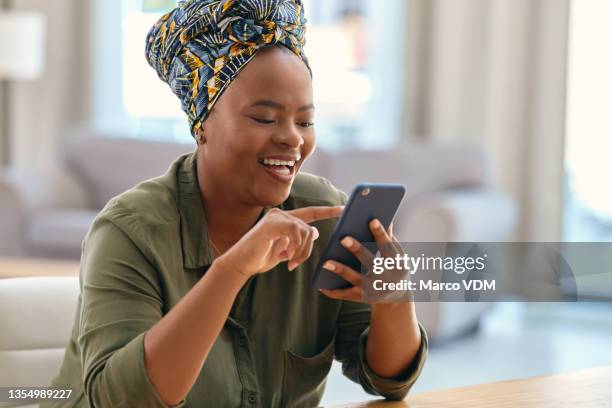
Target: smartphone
{"points": [[367, 201]]}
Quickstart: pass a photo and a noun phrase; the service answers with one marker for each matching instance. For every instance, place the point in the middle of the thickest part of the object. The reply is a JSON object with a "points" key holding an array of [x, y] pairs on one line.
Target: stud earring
{"points": [[200, 138]]}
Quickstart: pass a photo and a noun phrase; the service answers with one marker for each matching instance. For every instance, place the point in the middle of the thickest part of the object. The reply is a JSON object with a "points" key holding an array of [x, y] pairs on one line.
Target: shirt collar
{"points": [[197, 251]]}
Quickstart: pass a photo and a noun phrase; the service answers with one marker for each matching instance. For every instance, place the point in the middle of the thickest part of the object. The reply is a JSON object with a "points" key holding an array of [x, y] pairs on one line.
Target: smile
{"points": [[282, 169]]}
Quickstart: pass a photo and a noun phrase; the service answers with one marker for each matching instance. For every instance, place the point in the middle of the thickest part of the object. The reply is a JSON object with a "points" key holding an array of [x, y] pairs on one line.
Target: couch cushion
{"points": [[107, 166], [58, 233], [36, 317], [422, 168], [30, 368], [37, 312]]}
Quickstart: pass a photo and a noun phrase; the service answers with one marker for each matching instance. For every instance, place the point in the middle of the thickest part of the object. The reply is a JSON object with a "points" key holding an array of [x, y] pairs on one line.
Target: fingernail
{"points": [[376, 223], [316, 233], [291, 266], [329, 266], [347, 242]]}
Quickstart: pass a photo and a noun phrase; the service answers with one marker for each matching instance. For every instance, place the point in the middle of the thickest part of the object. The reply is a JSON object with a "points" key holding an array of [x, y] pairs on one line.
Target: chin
{"points": [[274, 198], [270, 192]]}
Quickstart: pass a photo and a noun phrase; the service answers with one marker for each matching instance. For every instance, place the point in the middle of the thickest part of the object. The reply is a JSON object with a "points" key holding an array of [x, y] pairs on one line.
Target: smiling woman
{"points": [[187, 295]]}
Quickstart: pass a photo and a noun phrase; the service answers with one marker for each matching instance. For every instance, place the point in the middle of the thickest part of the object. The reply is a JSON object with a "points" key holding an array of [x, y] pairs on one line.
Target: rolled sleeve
{"points": [[351, 340], [121, 300], [394, 388], [124, 381]]}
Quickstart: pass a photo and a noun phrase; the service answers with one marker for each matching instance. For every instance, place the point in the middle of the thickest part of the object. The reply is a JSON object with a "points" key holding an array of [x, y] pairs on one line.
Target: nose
{"points": [[290, 136]]}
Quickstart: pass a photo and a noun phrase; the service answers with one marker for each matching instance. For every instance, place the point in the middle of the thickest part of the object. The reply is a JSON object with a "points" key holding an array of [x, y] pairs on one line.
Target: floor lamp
{"points": [[22, 46]]}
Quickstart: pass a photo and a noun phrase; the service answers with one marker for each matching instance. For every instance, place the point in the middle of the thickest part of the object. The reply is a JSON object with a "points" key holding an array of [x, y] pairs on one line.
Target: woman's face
{"points": [[260, 131]]}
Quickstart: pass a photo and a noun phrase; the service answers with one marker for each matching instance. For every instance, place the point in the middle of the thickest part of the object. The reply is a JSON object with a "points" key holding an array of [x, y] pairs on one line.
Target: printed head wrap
{"points": [[200, 46]]}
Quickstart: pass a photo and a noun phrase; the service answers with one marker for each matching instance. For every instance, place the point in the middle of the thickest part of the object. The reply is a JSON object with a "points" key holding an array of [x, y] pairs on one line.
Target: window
{"points": [[588, 214], [128, 98], [357, 90]]}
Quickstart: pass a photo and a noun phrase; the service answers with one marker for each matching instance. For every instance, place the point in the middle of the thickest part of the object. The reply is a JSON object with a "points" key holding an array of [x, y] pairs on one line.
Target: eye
{"points": [[263, 121], [306, 124]]}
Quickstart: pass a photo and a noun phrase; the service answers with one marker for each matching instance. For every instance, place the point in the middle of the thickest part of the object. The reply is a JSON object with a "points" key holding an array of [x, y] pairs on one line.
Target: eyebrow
{"points": [[280, 106]]}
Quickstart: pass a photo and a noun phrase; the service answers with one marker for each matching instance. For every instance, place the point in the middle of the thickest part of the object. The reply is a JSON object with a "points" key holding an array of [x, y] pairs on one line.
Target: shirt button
{"points": [[242, 342], [252, 398]]}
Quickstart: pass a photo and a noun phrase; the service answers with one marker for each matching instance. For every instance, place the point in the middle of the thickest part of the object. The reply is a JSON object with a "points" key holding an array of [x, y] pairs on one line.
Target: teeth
{"points": [[282, 170], [274, 162]]}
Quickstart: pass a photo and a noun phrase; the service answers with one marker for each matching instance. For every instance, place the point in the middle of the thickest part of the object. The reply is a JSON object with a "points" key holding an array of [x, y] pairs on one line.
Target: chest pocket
{"points": [[304, 376]]}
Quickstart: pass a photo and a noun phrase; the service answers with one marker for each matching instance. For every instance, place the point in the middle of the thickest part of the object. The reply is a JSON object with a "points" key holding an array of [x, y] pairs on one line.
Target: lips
{"points": [[282, 168]]}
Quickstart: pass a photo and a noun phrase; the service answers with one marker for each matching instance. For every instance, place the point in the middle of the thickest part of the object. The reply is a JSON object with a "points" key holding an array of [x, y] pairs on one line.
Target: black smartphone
{"points": [[367, 201]]}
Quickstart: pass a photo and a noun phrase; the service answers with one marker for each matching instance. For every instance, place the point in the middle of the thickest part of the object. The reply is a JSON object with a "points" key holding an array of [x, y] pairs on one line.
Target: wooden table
{"points": [[583, 389], [24, 267]]}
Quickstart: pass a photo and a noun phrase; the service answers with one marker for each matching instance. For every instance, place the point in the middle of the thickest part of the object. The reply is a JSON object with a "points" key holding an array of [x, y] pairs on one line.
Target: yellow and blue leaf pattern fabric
{"points": [[200, 46]]}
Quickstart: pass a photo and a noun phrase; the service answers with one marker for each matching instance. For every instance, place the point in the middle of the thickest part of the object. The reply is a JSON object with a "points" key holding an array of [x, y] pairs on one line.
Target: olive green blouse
{"points": [[148, 247]]}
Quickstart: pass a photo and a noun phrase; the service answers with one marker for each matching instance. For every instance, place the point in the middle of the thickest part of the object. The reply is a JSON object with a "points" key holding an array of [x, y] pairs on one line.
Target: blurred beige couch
{"points": [[448, 199], [36, 316]]}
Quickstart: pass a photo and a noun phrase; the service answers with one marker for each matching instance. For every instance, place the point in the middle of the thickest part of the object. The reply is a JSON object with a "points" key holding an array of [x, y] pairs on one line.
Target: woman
{"points": [[195, 285]]}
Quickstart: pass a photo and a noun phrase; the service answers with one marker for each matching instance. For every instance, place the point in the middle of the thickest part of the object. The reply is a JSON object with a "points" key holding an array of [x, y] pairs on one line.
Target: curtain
{"points": [[493, 73]]}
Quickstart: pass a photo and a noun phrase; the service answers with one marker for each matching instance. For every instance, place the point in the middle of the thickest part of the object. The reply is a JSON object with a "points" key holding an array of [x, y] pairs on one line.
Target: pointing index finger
{"points": [[316, 213]]}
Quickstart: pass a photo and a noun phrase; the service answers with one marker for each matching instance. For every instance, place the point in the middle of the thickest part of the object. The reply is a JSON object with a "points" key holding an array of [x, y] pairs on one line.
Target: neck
{"points": [[227, 218]]}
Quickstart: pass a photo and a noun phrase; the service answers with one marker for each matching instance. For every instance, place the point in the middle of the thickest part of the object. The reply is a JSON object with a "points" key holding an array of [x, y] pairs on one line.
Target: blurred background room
{"points": [[493, 113]]}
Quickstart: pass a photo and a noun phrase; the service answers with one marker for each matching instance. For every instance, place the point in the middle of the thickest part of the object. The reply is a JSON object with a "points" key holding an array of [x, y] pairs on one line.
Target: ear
{"points": [[200, 136], [207, 125]]}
